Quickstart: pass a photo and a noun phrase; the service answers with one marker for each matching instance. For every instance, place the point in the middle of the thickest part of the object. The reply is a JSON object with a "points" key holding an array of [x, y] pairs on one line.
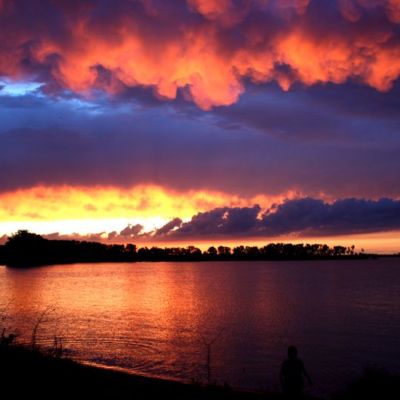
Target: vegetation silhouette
{"points": [[24, 249], [292, 375], [208, 343]]}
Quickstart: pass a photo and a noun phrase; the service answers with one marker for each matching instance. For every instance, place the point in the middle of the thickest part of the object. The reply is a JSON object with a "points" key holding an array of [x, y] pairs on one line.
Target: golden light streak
{"points": [[83, 210]]}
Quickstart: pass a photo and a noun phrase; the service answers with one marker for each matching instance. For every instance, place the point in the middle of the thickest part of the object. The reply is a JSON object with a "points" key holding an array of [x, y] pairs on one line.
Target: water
{"points": [[157, 318]]}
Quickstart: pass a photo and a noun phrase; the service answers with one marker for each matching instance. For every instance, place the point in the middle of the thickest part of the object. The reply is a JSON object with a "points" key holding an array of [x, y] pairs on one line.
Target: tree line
{"points": [[29, 249]]}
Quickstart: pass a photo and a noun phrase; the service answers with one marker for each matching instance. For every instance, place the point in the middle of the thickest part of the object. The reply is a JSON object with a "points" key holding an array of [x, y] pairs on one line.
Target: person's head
{"points": [[292, 352]]}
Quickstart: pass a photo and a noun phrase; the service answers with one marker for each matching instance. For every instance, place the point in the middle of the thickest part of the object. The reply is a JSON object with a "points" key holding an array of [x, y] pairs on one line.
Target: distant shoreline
{"points": [[25, 249], [197, 261]]}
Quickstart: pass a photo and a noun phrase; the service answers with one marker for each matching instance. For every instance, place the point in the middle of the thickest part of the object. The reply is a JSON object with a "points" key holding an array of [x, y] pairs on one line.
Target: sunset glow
{"points": [[201, 120], [101, 210], [200, 199], [130, 53], [74, 203]]}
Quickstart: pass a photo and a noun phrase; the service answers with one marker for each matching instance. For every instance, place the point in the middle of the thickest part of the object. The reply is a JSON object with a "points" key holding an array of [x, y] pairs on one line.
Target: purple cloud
{"points": [[303, 216]]}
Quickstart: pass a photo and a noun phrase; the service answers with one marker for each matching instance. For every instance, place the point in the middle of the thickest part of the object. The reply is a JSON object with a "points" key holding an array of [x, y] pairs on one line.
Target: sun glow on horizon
{"points": [[84, 210], [92, 213]]}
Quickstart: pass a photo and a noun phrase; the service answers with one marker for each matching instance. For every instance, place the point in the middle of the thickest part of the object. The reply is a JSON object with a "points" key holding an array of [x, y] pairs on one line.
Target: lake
{"points": [[161, 318]]}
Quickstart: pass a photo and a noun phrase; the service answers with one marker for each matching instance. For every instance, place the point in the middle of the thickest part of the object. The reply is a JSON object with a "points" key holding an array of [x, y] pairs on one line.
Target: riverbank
{"points": [[30, 374]]}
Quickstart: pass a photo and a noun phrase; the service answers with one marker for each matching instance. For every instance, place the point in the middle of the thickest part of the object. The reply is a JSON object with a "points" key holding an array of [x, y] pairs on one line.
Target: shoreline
{"points": [[27, 373], [199, 261], [25, 249], [31, 373]]}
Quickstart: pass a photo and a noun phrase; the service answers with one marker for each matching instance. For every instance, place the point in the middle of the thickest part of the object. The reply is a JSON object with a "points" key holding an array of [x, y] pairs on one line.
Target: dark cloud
{"points": [[323, 113], [79, 143], [169, 227], [131, 231], [221, 221], [341, 217], [305, 216]]}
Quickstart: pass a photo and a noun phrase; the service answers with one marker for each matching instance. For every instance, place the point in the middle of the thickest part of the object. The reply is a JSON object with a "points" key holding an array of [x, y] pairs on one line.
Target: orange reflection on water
{"points": [[134, 305], [156, 318]]}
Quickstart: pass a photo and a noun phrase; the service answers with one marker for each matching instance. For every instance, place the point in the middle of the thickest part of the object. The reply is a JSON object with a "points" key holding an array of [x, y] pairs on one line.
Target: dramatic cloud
{"points": [[221, 221], [273, 100], [343, 216], [303, 216], [100, 203], [206, 49]]}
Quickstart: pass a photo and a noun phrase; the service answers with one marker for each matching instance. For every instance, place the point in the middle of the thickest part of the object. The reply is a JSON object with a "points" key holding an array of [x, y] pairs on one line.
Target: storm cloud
{"points": [[101, 143], [227, 99], [208, 49], [305, 216]]}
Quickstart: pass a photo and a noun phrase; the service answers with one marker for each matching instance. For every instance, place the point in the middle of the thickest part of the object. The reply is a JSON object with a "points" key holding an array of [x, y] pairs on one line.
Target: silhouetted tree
{"points": [[212, 251], [28, 249]]}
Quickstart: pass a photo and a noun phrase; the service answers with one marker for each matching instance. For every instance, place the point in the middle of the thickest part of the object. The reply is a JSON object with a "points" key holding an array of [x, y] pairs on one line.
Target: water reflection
{"points": [[157, 318]]}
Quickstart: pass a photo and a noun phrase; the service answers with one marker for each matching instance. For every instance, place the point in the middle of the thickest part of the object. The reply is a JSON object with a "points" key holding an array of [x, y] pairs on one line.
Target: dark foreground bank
{"points": [[26, 374]]}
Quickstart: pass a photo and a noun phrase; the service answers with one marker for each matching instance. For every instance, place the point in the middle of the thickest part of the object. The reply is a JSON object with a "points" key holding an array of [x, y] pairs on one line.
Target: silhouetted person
{"points": [[291, 375]]}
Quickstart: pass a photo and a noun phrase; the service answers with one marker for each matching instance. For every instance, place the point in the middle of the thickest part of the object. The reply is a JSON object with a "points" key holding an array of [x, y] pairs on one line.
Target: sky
{"points": [[201, 121]]}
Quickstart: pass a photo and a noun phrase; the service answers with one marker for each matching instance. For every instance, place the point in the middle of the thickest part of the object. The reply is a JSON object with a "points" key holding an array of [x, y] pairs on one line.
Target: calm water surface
{"points": [[156, 318]]}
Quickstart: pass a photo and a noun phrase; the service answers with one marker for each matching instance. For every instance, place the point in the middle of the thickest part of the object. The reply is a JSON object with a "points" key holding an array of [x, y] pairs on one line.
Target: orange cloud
{"points": [[211, 8], [54, 203], [210, 57]]}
